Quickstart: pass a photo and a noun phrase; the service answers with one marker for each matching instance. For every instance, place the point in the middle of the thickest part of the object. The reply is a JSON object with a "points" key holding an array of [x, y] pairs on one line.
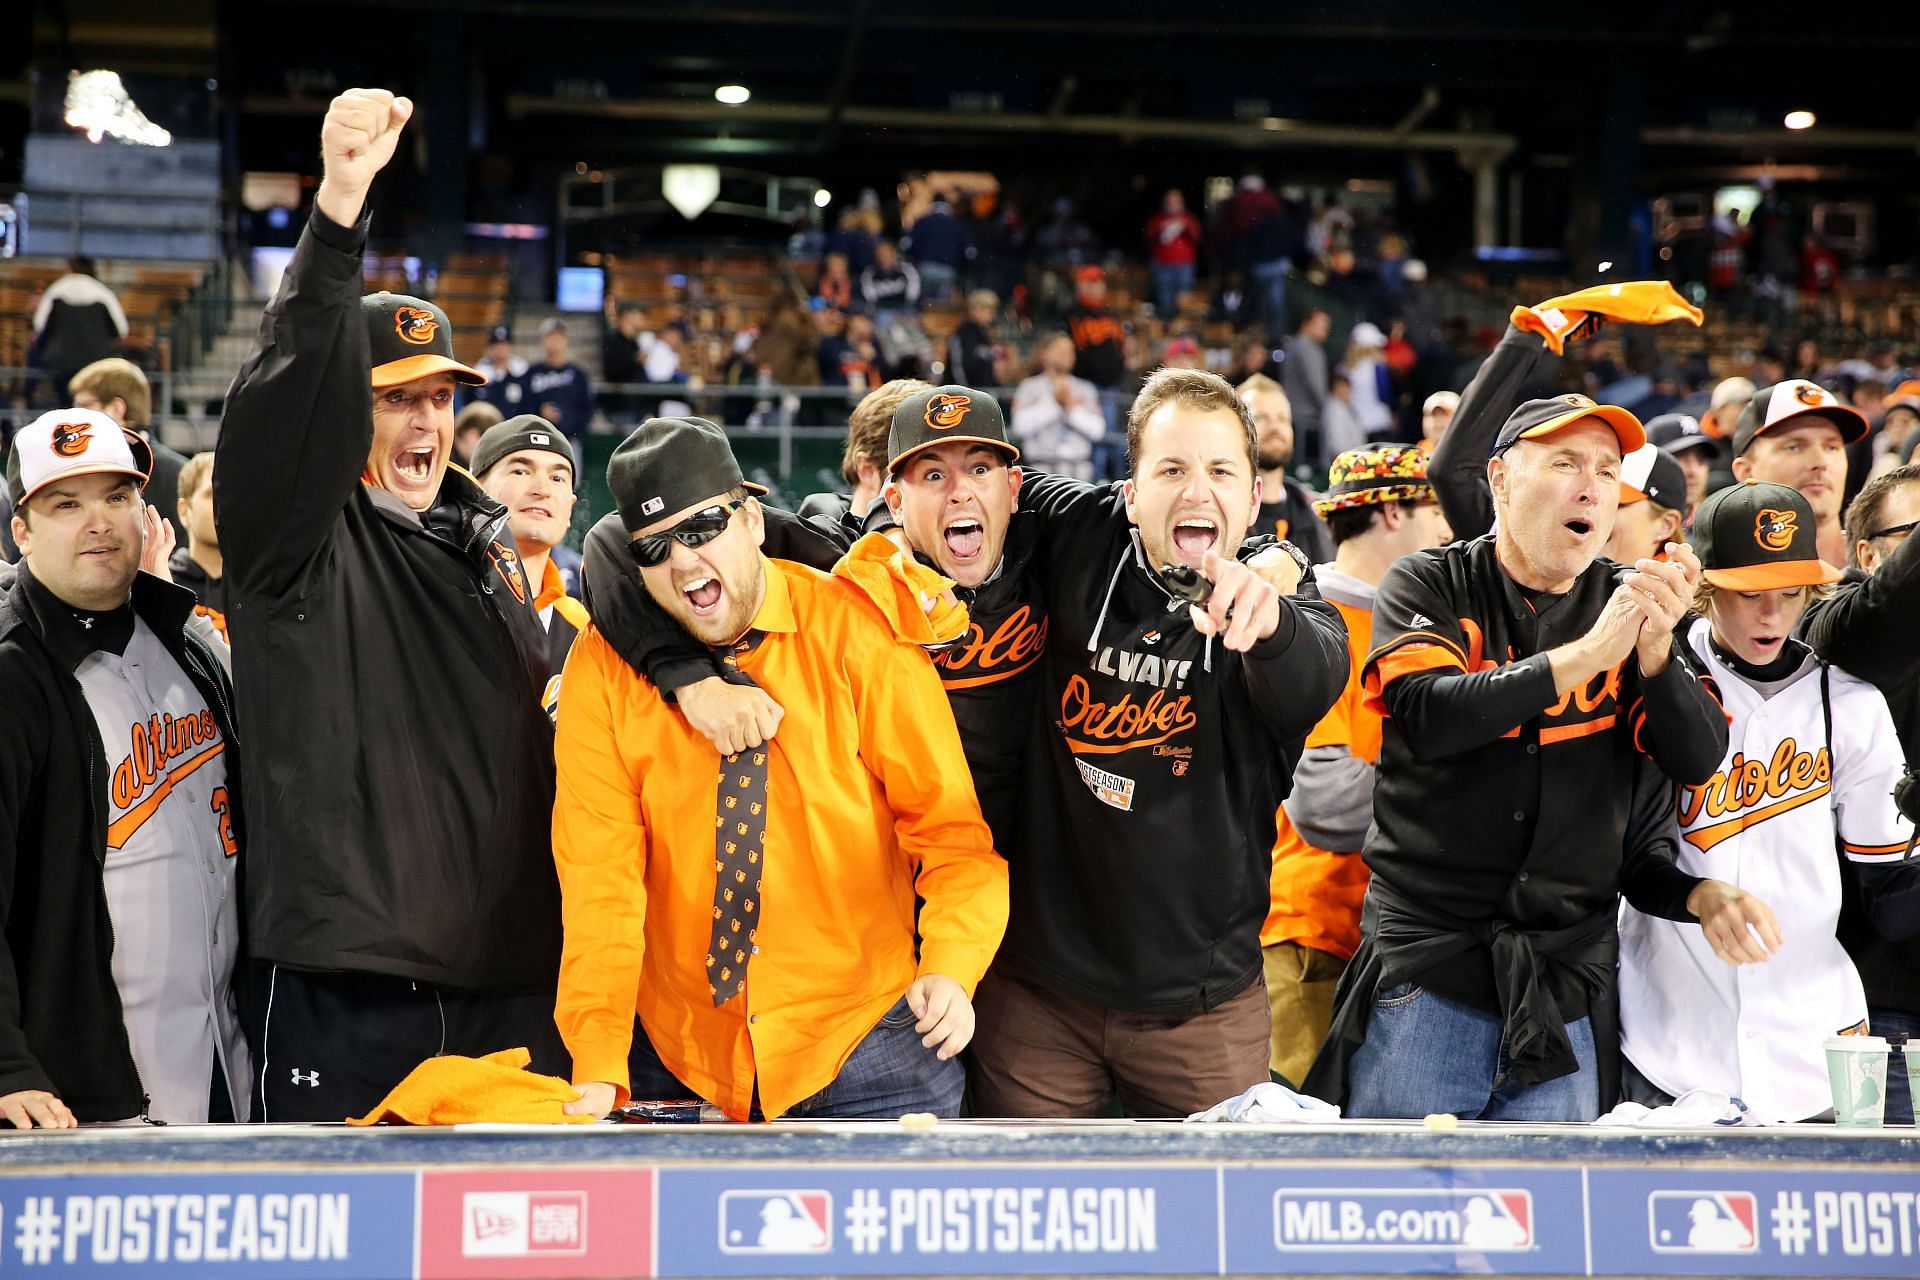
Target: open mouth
{"points": [[703, 594], [414, 465], [542, 512], [1580, 527], [1194, 536], [965, 538], [1767, 644]]}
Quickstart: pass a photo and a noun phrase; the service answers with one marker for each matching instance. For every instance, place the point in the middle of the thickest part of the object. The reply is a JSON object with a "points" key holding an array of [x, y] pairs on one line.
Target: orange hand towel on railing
{"points": [[496, 1089], [1632, 302]]}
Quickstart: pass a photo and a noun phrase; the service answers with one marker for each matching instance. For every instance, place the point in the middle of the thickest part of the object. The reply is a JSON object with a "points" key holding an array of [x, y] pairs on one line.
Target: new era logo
{"points": [[519, 1224], [776, 1222]]}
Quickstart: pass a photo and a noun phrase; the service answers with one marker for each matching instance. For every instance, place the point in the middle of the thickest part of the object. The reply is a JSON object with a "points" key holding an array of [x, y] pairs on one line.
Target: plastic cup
{"points": [[1913, 1066], [1857, 1070]]}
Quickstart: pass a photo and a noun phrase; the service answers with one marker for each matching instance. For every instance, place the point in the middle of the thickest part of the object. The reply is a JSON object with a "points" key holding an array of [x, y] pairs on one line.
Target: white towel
{"points": [[1269, 1103], [1694, 1109]]}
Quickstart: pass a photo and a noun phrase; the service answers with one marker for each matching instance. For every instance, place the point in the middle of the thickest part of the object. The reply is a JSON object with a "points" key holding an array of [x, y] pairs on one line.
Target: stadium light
{"points": [[732, 94], [822, 198], [1799, 120]]}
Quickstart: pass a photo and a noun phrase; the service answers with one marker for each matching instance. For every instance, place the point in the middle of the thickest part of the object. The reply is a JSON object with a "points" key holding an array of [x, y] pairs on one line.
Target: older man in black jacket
{"points": [[390, 667]]}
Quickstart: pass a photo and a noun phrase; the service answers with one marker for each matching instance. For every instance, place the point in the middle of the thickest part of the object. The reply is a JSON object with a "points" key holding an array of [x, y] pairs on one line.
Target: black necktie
{"points": [[739, 836]]}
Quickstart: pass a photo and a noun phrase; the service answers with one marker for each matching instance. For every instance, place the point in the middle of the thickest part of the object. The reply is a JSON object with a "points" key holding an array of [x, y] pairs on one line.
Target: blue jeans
{"points": [[1170, 280], [1271, 279], [936, 281], [889, 1075], [1426, 1054], [1885, 1022]]}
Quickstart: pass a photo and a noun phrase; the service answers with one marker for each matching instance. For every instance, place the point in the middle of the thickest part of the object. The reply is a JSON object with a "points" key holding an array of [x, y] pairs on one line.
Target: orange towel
{"points": [[916, 601], [1577, 314], [496, 1089]]}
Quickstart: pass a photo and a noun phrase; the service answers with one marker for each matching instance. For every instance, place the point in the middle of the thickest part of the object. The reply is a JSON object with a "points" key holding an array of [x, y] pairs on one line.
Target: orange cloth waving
{"points": [[1577, 314], [496, 1089], [916, 600]]}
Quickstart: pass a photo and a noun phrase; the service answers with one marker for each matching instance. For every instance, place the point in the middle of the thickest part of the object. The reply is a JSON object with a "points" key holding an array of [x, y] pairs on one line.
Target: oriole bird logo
{"points": [[416, 325], [945, 412], [1774, 530], [1808, 394], [70, 439]]}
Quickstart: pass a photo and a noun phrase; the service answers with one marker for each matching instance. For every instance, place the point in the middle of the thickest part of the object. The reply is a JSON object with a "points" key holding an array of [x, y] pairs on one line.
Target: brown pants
{"points": [[1039, 1054], [1300, 986]]}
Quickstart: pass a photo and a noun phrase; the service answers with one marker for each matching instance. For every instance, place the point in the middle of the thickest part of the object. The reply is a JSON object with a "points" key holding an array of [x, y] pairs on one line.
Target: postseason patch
{"points": [[1111, 788]]}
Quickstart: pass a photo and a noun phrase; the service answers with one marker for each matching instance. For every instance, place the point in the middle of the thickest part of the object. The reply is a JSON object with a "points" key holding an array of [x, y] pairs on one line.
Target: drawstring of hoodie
{"points": [[1173, 601]]}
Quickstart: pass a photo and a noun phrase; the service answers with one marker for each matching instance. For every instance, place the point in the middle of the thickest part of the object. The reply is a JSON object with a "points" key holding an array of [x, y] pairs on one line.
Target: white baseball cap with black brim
{"points": [[66, 443], [1795, 403]]}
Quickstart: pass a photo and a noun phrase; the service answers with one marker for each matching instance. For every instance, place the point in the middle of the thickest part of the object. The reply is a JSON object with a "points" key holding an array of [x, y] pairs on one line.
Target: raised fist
{"points": [[356, 142]]}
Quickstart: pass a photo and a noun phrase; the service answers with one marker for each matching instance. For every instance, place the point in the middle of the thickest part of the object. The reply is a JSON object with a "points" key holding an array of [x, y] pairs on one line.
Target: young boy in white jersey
{"points": [[1803, 798], [119, 809]]}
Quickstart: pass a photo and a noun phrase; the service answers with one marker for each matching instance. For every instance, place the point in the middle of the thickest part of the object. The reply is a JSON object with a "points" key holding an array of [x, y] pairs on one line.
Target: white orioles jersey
{"points": [[1766, 822]]}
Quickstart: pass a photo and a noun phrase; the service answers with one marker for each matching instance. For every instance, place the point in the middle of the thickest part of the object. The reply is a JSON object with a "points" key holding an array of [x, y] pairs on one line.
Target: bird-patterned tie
{"points": [[739, 840]]}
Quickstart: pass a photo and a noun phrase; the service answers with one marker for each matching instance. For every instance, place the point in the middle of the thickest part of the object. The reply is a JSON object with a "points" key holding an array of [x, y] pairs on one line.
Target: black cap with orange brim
{"points": [[1759, 537], [943, 415], [1537, 418], [410, 338]]}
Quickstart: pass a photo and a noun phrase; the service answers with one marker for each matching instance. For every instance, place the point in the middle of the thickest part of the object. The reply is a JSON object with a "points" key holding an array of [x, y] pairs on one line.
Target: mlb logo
{"points": [[521, 1224], [1703, 1222], [776, 1222]]}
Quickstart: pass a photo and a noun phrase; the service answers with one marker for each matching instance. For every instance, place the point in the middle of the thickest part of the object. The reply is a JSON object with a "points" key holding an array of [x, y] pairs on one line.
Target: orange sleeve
{"points": [[912, 597], [1405, 660], [909, 742], [599, 849]]}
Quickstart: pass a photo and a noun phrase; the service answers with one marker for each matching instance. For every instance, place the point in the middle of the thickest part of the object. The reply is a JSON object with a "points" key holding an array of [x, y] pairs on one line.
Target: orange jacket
{"points": [[868, 799], [1317, 893]]}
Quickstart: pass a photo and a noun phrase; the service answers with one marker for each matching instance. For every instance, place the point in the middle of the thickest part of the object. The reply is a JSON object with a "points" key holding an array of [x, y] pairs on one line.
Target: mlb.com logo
{"points": [[776, 1222], [522, 1224], [1378, 1220], [1703, 1222]]}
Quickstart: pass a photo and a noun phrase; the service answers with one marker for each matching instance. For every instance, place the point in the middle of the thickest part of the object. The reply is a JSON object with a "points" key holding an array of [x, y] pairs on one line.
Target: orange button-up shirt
{"points": [[1316, 892], [868, 799]]}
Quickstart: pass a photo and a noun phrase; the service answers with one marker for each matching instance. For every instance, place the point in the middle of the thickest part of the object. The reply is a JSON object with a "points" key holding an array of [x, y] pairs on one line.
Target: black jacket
{"points": [[1294, 519], [1866, 627], [389, 667], [61, 1026], [1145, 855]]}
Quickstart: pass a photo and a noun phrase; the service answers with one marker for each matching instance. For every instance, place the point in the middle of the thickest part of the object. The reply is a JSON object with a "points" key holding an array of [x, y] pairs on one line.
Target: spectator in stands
{"points": [[1866, 628], [1378, 508], [848, 356], [853, 240], [1340, 428], [1483, 984], [1173, 249], [197, 563], [1690, 1017], [889, 284], [975, 350], [1256, 356], [1183, 353], [120, 390], [789, 342], [1065, 243], [869, 1025], [835, 286], [864, 463], [1268, 250], [620, 346], [468, 426], [1435, 415], [1057, 417], [940, 247], [558, 389], [77, 322], [1418, 308], [1286, 508], [505, 372], [1370, 380], [1304, 374], [1099, 336], [527, 467], [1250, 202], [1796, 433], [122, 930]]}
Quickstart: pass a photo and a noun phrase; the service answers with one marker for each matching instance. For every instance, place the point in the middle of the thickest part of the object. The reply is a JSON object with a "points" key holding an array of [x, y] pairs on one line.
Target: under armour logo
{"points": [[311, 1079], [1420, 620]]}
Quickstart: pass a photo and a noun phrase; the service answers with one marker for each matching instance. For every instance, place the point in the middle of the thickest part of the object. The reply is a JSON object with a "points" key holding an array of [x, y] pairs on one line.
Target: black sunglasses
{"points": [[1898, 530], [697, 530]]}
